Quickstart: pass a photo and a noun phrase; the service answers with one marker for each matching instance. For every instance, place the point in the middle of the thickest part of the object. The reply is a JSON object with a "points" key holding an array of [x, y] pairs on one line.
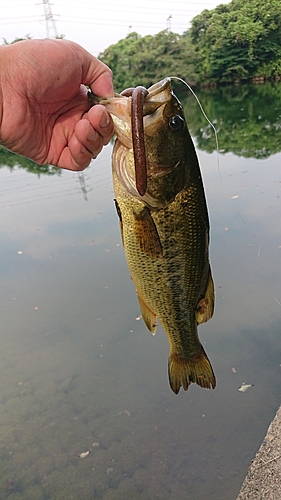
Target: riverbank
{"points": [[263, 480]]}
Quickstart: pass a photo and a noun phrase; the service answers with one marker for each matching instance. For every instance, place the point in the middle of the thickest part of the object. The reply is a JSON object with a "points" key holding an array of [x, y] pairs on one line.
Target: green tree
{"points": [[26, 37], [138, 60], [238, 40]]}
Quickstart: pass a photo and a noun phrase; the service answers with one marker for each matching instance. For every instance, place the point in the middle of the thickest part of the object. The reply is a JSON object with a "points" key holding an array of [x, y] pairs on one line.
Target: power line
{"points": [[96, 22]]}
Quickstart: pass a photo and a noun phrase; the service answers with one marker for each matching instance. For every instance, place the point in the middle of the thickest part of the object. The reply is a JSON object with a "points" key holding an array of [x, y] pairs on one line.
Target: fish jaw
{"points": [[120, 107]]}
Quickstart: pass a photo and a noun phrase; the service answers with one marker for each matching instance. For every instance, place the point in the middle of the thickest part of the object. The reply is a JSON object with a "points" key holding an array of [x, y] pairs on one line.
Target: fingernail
{"points": [[105, 119], [83, 149]]}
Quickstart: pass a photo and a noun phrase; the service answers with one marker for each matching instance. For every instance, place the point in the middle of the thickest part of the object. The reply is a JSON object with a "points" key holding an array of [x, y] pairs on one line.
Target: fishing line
{"points": [[202, 110], [210, 123], [226, 190]]}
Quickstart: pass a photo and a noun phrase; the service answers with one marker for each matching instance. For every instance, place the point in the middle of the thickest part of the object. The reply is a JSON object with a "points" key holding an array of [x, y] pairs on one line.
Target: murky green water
{"points": [[79, 372]]}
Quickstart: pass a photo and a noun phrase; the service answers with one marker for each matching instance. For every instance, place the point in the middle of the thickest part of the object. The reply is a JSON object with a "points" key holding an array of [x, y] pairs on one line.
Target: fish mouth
{"points": [[157, 90], [138, 109], [144, 103]]}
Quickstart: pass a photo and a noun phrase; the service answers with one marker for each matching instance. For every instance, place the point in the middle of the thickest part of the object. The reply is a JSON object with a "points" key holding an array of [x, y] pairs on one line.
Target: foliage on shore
{"points": [[233, 42]]}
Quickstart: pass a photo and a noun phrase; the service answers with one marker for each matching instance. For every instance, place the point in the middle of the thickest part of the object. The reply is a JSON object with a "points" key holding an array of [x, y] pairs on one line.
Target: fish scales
{"points": [[171, 286], [165, 234]]}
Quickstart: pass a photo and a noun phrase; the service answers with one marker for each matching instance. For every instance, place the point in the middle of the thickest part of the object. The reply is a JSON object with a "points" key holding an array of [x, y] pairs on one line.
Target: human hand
{"points": [[46, 115]]}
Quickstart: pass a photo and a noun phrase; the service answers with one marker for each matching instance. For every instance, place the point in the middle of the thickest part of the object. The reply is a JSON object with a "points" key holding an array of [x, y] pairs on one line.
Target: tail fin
{"points": [[185, 371]]}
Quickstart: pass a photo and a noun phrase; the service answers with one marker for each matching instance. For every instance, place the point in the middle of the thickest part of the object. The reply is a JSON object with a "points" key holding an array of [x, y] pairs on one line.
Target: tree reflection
{"points": [[247, 119], [13, 161]]}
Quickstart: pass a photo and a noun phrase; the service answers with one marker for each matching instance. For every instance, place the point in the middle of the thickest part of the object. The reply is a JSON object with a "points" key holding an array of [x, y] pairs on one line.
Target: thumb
{"points": [[98, 77]]}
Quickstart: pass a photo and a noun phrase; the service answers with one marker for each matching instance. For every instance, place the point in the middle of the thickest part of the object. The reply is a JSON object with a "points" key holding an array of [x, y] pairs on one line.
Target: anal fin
{"points": [[205, 307], [148, 316]]}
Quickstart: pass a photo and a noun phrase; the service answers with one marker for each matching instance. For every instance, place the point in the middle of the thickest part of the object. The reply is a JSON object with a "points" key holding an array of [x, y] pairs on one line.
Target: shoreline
{"points": [[263, 479]]}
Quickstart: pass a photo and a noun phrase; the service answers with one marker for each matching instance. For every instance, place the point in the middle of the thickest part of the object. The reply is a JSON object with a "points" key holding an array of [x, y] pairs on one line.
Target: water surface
{"points": [[79, 371]]}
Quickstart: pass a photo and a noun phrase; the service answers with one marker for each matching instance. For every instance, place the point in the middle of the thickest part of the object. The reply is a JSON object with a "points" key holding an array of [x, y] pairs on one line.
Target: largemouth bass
{"points": [[164, 225]]}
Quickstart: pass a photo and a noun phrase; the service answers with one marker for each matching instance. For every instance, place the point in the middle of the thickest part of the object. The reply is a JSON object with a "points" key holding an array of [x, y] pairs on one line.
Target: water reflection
{"points": [[247, 119], [13, 161], [79, 372]]}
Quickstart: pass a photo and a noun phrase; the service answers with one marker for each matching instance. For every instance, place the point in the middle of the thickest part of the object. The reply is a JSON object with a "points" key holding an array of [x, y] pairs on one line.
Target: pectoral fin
{"points": [[148, 316], [120, 218], [146, 234], [205, 307]]}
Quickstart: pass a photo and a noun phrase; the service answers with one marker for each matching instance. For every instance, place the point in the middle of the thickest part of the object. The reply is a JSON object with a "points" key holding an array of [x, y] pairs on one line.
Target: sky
{"points": [[97, 25]]}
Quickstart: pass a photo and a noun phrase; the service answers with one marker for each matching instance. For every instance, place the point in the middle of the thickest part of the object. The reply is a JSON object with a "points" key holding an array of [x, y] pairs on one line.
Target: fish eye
{"points": [[176, 123]]}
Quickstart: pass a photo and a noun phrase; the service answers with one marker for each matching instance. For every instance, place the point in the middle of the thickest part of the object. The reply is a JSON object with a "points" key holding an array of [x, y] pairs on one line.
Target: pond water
{"points": [[79, 371]]}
